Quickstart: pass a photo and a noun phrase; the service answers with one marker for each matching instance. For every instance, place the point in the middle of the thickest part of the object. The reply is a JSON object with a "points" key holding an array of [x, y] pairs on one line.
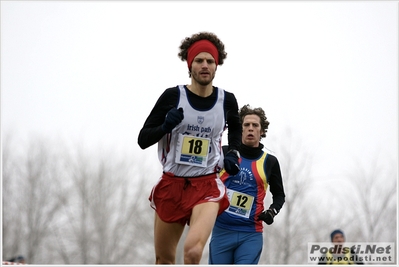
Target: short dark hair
{"points": [[188, 41], [247, 110], [337, 231]]}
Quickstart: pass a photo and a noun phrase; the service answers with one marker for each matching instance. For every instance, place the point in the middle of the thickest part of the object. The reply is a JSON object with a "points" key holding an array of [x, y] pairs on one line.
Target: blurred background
{"points": [[78, 79]]}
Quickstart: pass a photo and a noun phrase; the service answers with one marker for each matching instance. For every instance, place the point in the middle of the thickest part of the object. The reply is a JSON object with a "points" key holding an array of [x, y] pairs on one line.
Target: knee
{"points": [[164, 260], [192, 255]]}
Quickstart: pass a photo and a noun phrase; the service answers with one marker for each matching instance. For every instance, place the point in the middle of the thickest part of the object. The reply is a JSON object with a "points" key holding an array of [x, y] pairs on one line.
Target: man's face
{"points": [[338, 239], [251, 130], [203, 68]]}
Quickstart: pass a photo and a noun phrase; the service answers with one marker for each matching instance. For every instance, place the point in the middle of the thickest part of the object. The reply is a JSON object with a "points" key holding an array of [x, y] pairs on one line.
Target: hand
{"points": [[173, 118], [231, 163], [267, 216]]}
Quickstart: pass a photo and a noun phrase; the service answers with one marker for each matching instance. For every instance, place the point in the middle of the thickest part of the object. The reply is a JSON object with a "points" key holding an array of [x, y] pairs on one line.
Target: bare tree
{"points": [[76, 207], [106, 215], [12, 223], [35, 199], [374, 201]]}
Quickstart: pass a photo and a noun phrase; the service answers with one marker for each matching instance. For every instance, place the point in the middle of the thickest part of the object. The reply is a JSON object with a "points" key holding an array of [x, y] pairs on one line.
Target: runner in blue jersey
{"points": [[237, 237]]}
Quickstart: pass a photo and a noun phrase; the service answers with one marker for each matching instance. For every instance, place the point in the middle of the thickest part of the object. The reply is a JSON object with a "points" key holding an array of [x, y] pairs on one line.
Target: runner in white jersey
{"points": [[188, 123], [196, 140]]}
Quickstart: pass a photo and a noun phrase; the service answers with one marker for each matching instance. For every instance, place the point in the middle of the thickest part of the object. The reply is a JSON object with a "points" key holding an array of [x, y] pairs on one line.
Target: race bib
{"points": [[240, 203], [192, 150]]}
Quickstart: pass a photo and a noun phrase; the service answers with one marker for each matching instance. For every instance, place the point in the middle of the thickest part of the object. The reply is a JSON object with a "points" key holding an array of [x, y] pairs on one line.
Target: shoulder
{"points": [[271, 158], [272, 162], [169, 96], [171, 91], [228, 94], [230, 100]]}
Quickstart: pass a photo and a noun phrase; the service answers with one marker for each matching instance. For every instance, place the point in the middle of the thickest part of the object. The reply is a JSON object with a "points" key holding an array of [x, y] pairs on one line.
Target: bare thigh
{"points": [[166, 238], [201, 223]]}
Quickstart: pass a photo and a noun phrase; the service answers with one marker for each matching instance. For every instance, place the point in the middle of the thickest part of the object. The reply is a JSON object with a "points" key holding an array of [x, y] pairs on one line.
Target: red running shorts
{"points": [[173, 198]]}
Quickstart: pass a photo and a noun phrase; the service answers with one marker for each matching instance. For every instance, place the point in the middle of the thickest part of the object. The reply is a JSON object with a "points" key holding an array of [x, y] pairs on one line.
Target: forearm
{"points": [[152, 131], [233, 122], [277, 191], [149, 136], [276, 187], [278, 201], [234, 138]]}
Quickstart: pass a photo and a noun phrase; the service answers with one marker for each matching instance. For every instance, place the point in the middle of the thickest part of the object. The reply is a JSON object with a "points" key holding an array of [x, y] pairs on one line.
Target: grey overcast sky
{"points": [[91, 71]]}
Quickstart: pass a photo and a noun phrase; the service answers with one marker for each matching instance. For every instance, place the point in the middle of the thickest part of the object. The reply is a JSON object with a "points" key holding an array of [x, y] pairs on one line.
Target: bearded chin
{"points": [[203, 82]]}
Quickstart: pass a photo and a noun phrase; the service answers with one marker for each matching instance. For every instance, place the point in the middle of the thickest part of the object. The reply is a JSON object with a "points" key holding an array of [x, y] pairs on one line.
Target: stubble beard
{"points": [[203, 82]]}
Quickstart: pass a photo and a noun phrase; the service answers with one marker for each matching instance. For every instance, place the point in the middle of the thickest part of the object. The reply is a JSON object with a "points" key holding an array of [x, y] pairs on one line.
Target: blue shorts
{"points": [[233, 247]]}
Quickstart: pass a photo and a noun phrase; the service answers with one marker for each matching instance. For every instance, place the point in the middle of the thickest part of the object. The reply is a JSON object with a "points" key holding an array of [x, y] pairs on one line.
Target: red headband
{"points": [[201, 46]]}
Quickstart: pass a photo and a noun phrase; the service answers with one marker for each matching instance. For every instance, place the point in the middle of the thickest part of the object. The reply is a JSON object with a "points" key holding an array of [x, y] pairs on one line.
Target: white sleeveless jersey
{"points": [[197, 141]]}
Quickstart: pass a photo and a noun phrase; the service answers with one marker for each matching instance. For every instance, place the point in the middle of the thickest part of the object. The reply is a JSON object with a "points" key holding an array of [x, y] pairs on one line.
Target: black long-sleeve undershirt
{"points": [[273, 173], [152, 131]]}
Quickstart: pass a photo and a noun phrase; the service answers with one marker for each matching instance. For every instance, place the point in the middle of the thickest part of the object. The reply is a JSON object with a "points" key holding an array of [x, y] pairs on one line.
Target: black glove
{"points": [[267, 216], [231, 163], [173, 118]]}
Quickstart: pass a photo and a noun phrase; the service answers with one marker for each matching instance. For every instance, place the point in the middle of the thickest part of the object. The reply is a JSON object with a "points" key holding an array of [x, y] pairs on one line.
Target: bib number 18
{"points": [[192, 150], [195, 146]]}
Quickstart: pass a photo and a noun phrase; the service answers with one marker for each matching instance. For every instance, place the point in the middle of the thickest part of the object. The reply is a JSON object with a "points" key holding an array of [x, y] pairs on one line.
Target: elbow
{"points": [[142, 146], [141, 142]]}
